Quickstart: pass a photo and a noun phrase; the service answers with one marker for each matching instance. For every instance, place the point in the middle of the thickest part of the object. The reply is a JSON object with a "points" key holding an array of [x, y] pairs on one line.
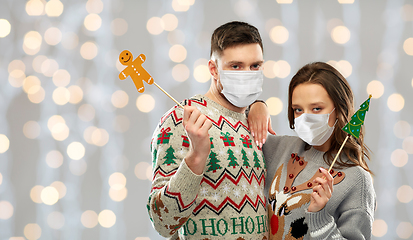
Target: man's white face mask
{"points": [[241, 88], [313, 128]]}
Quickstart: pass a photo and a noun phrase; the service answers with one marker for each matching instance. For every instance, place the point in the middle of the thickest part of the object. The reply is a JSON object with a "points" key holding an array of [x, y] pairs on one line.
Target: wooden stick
{"points": [[342, 145], [167, 94]]}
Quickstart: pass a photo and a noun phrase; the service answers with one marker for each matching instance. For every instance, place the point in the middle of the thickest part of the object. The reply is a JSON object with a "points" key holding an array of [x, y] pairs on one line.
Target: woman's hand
{"points": [[259, 122], [321, 192]]}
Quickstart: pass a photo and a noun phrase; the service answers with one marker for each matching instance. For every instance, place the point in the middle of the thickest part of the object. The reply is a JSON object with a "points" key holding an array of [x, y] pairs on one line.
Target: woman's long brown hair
{"points": [[341, 94]]}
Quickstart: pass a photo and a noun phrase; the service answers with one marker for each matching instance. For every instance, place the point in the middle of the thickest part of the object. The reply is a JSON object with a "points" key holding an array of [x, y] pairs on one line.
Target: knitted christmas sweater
{"points": [[227, 201], [291, 171]]}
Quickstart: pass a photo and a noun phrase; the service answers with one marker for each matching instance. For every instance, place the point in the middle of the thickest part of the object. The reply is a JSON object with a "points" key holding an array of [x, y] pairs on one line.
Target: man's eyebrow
{"points": [[234, 62]]}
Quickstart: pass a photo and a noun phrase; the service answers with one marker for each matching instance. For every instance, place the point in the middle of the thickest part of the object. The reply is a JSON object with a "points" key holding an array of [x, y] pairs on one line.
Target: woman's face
{"points": [[314, 99]]}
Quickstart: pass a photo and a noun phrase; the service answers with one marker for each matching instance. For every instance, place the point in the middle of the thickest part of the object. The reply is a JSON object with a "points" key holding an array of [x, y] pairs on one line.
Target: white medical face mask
{"points": [[241, 88], [313, 128]]}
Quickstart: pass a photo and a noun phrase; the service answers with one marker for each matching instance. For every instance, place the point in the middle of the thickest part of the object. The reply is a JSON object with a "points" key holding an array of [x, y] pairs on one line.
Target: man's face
{"points": [[243, 57]]}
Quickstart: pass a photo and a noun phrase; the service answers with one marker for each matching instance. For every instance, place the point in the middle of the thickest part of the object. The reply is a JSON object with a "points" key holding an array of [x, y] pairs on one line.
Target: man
{"points": [[208, 172]]}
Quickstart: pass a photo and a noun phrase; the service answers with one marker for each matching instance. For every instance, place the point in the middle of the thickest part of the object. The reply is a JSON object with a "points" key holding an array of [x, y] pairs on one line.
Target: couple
{"points": [[210, 178]]}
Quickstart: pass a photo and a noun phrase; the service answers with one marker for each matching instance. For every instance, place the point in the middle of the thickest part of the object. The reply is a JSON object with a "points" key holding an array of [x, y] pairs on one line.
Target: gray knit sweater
{"points": [[291, 169]]}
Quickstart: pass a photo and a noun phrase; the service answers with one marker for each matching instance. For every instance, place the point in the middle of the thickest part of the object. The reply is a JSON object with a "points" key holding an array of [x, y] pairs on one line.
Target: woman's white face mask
{"points": [[241, 88], [313, 128]]}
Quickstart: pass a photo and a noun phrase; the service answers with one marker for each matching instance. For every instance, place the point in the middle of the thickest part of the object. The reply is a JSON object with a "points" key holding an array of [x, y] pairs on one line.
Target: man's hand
{"points": [[196, 126], [259, 122], [321, 192]]}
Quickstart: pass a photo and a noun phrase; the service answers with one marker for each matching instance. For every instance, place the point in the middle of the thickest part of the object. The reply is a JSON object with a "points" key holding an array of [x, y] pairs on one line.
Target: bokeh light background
{"points": [[74, 139]]}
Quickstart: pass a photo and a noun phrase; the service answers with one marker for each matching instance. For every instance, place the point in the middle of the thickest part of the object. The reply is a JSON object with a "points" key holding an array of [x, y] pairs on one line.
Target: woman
{"points": [[302, 204]]}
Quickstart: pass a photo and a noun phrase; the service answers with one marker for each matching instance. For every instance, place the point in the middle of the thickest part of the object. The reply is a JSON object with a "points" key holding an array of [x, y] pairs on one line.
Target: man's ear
{"points": [[213, 69]]}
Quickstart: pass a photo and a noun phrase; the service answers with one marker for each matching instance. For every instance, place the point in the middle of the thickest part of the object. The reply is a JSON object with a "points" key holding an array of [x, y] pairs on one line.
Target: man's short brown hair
{"points": [[232, 34]]}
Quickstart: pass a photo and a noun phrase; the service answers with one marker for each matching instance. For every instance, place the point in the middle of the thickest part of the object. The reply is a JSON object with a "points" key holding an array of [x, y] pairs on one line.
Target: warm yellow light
{"points": [[395, 102], [141, 170], [76, 150], [107, 218], [404, 230], [60, 131], [6, 210], [16, 78], [119, 26], [407, 12], [36, 94], [92, 22], [4, 143], [56, 220], [61, 78], [76, 94], [180, 72], [202, 74], [89, 219], [408, 145], [32, 231], [100, 137], [282, 69], [155, 26], [117, 181], [375, 88], [284, 1], [401, 129], [54, 159], [60, 187], [70, 40], [54, 8], [120, 99], [29, 82], [268, 69], [49, 195], [32, 42], [121, 124], [399, 158], [19, 238], [177, 53], [54, 120], [16, 65], [170, 22], [86, 112], [35, 8], [35, 193], [87, 134], [118, 195], [340, 34], [31, 129], [94, 6], [78, 167], [49, 67], [53, 36], [275, 105], [279, 34], [344, 67], [89, 50], [5, 28], [145, 103], [346, 1], [379, 228], [405, 194], [181, 5], [37, 63], [61, 96], [408, 46]]}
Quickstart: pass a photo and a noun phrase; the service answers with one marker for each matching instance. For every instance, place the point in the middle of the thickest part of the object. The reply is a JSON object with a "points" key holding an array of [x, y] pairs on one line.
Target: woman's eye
{"points": [[316, 109], [255, 67], [297, 110], [235, 67]]}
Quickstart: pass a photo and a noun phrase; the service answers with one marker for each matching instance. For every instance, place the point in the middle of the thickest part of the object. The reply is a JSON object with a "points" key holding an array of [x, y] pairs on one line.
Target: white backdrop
{"points": [[74, 139]]}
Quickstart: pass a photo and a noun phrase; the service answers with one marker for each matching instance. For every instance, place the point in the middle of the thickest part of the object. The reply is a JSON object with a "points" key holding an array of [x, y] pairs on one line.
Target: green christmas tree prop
{"points": [[213, 162], [232, 159], [245, 158], [357, 120], [256, 160], [169, 156], [353, 127]]}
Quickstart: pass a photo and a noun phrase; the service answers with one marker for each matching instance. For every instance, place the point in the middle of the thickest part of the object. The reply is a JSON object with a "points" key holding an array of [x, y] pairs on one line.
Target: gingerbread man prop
{"points": [[134, 69]]}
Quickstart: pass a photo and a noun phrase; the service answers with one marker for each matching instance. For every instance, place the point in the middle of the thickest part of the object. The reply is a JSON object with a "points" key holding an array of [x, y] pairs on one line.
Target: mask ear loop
{"points": [[329, 119]]}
